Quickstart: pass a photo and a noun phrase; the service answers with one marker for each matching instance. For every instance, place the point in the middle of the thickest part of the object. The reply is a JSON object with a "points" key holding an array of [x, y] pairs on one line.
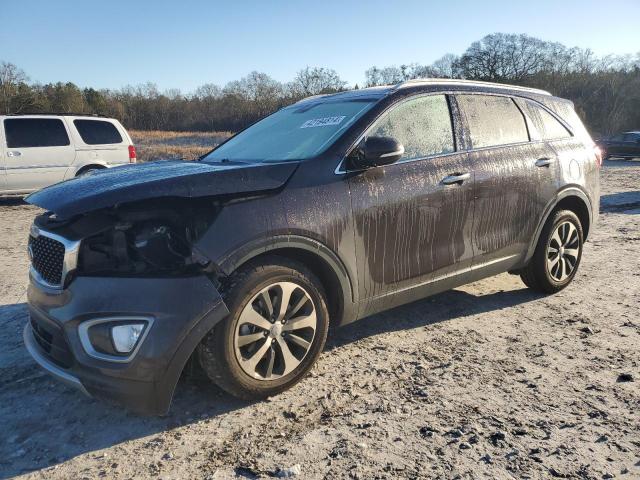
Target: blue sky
{"points": [[183, 44]]}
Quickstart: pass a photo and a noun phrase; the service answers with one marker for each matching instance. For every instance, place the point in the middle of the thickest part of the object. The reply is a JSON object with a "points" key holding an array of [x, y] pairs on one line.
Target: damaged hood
{"points": [[130, 183]]}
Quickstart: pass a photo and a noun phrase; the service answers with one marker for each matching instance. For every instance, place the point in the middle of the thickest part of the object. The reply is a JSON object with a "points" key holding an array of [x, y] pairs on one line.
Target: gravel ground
{"points": [[485, 381]]}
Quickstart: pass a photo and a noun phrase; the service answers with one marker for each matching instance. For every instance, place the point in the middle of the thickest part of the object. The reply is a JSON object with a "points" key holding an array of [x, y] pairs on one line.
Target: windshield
{"points": [[294, 133]]}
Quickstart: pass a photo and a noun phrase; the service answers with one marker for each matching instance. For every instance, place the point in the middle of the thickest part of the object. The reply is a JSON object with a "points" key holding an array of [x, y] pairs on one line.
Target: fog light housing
{"points": [[116, 339], [125, 337]]}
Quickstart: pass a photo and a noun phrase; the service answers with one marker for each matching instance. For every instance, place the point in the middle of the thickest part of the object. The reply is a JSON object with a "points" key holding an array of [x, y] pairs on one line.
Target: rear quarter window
{"points": [[547, 127], [97, 132], [564, 109], [492, 120], [35, 132]]}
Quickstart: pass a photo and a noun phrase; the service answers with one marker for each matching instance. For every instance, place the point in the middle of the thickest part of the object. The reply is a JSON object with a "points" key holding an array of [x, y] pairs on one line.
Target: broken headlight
{"points": [[147, 247]]}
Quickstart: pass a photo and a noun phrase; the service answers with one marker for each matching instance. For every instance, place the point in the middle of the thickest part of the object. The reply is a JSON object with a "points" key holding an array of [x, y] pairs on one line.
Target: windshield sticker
{"points": [[323, 122]]}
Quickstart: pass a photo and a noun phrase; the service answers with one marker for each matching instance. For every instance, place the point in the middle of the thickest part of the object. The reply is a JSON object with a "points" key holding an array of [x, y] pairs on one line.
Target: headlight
{"points": [[125, 337], [116, 339]]}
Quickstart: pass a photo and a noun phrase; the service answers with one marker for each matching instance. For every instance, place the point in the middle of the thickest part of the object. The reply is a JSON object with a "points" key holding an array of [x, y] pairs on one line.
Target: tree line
{"points": [[605, 89]]}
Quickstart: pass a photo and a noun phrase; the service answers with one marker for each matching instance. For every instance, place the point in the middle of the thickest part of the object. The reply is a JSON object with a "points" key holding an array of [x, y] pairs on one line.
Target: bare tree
{"points": [[316, 80], [14, 97]]}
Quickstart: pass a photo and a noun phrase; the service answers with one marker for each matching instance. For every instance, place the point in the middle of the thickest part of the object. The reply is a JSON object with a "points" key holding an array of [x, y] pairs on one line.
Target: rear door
{"points": [[509, 169], [38, 152], [99, 141], [412, 228]]}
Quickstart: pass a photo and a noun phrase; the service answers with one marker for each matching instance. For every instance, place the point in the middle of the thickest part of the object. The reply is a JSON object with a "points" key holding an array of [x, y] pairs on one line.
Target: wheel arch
{"points": [[90, 166], [571, 198], [317, 257]]}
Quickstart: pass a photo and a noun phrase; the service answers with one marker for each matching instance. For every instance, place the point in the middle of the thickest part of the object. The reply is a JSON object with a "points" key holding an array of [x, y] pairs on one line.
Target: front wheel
{"points": [[275, 332], [557, 255]]}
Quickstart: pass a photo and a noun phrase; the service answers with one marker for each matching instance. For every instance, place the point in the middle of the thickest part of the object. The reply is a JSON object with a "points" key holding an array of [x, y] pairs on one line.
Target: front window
{"points": [[297, 132], [422, 125]]}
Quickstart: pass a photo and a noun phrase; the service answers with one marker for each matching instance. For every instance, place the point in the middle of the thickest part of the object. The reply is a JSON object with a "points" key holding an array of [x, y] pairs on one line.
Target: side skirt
{"points": [[437, 285]]}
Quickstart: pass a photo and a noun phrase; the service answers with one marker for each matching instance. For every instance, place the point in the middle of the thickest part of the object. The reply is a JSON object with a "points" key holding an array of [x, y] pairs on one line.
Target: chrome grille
{"points": [[47, 258]]}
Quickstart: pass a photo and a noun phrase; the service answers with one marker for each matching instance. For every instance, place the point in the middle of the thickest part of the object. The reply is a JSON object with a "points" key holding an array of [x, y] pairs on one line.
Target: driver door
{"points": [[412, 222]]}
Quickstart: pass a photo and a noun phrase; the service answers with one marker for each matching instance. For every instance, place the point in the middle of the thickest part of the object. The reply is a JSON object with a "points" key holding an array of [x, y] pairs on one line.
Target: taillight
{"points": [[598, 153], [132, 154]]}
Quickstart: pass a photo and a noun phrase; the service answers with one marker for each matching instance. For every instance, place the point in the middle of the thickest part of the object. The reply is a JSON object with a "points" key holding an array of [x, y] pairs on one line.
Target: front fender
{"points": [[238, 257]]}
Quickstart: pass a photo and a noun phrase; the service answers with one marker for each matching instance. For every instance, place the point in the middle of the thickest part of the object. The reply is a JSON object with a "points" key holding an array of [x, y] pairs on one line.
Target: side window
{"points": [[422, 125], [548, 127], [630, 137], [617, 138], [97, 132], [492, 120], [35, 132]]}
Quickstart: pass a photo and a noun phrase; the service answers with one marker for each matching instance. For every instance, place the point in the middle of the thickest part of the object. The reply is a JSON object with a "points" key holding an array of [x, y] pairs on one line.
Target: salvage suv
{"points": [[39, 150], [327, 211]]}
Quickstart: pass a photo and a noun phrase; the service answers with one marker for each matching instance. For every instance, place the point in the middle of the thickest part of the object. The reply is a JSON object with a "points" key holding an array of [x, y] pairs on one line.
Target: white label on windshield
{"points": [[322, 122]]}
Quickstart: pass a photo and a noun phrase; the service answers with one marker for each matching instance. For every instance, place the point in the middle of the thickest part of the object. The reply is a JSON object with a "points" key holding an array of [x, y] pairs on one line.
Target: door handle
{"points": [[13, 153], [456, 178], [544, 162]]}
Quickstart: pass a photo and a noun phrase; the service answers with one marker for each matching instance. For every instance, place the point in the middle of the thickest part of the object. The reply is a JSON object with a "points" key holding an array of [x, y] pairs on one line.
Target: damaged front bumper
{"points": [[182, 310]]}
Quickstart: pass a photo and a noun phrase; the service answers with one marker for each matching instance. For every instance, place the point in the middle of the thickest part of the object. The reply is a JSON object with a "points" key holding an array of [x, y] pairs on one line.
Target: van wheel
{"points": [[557, 256], [86, 172], [275, 332]]}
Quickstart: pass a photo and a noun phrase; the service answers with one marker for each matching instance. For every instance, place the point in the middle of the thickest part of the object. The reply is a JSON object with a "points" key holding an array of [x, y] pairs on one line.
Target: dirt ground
{"points": [[486, 381]]}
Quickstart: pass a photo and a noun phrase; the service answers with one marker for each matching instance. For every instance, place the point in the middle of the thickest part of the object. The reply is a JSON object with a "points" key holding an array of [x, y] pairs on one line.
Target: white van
{"points": [[40, 150]]}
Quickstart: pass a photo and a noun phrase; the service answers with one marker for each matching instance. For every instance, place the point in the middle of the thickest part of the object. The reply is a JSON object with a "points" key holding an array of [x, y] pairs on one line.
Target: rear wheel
{"points": [[557, 255], [275, 332], [87, 171]]}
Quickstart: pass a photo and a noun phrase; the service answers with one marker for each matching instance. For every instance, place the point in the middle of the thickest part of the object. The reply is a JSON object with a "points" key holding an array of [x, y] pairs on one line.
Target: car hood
{"points": [[168, 178]]}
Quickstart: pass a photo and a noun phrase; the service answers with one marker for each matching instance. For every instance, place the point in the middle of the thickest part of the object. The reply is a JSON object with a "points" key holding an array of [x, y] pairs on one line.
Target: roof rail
{"points": [[453, 81], [68, 114]]}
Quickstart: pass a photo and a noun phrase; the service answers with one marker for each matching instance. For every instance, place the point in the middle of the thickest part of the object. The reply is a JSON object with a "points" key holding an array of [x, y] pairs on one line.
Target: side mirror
{"points": [[377, 151]]}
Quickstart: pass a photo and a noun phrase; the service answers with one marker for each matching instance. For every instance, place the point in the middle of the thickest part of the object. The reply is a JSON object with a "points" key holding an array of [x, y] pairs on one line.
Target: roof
{"points": [[57, 114], [384, 90], [455, 82], [360, 94]]}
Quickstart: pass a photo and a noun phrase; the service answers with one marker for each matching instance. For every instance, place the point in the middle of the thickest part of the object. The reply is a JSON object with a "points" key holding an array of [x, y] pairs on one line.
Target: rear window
{"points": [[546, 125], [97, 132], [35, 132], [492, 120]]}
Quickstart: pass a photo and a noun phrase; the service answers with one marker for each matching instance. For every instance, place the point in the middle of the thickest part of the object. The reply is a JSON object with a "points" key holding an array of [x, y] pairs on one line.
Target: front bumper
{"points": [[183, 310]]}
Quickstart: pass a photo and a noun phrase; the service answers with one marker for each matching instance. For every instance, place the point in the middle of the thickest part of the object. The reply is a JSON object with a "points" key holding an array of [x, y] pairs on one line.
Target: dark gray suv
{"points": [[327, 211]]}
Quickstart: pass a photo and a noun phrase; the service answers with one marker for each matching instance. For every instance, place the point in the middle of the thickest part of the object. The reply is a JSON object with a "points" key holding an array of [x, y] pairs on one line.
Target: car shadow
{"points": [[453, 304], [12, 201], [621, 202], [47, 423]]}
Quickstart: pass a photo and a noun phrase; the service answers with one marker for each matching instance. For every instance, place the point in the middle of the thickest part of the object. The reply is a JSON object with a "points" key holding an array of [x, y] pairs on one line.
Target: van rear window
{"points": [[97, 132], [35, 132]]}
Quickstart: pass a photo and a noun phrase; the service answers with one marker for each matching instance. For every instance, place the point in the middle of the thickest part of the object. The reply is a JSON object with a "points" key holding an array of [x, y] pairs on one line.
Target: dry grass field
{"points": [[161, 145]]}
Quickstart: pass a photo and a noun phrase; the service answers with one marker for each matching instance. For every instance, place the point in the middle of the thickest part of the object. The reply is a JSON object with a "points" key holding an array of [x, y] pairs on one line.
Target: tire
{"points": [[233, 364], [549, 273]]}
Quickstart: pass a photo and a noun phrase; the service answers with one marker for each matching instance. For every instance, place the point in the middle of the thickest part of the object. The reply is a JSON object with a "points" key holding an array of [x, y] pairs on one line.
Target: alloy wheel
{"points": [[563, 251], [275, 331]]}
